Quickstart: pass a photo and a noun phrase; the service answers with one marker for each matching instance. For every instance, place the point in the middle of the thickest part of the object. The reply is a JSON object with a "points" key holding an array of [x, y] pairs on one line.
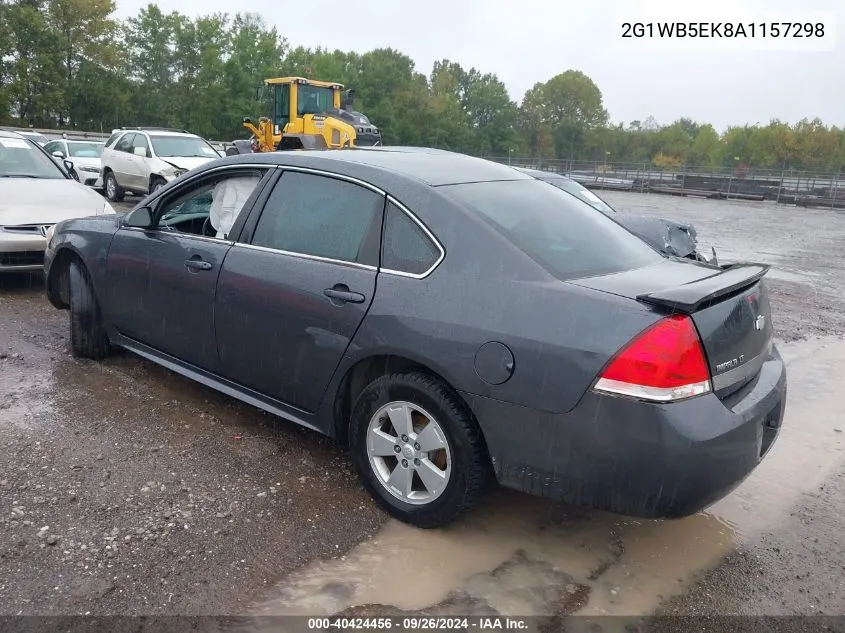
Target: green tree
{"points": [[32, 69], [255, 54], [82, 32], [150, 42], [569, 105]]}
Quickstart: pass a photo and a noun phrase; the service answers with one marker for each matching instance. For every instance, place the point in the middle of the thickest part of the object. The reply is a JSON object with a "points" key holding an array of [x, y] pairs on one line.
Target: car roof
{"points": [[430, 166], [10, 134]]}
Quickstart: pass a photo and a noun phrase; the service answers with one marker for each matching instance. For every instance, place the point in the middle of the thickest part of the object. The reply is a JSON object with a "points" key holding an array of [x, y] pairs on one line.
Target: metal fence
{"points": [[741, 182]]}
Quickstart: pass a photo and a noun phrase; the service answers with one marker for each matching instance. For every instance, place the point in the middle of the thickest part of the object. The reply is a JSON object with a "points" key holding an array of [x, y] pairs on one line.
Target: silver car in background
{"points": [[83, 156], [35, 194]]}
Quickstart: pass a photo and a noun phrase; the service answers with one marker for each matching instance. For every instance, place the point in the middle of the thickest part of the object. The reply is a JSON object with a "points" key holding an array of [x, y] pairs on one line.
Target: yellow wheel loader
{"points": [[307, 114]]}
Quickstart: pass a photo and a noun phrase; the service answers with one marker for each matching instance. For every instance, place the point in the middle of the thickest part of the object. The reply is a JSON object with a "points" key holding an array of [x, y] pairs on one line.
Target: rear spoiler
{"points": [[689, 297]]}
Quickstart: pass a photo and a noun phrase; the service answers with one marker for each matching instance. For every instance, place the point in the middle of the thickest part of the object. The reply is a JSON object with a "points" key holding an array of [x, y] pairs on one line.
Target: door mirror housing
{"points": [[71, 170], [59, 154], [140, 151], [140, 218]]}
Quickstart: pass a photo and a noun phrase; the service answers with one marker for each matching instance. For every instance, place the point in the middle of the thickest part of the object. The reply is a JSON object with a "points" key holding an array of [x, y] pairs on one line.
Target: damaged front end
{"points": [[669, 237]]}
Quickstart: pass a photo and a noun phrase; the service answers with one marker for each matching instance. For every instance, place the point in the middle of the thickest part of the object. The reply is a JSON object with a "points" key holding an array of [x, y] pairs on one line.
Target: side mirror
{"points": [[71, 170], [140, 151], [140, 218], [246, 119], [59, 154], [347, 99]]}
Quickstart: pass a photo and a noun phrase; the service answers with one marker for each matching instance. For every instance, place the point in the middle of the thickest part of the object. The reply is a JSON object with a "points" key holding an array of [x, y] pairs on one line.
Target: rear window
{"points": [[561, 233], [582, 193]]}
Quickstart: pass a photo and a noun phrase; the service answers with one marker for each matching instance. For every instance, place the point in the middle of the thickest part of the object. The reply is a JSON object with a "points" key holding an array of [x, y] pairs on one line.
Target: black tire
{"points": [[88, 338], [470, 468], [114, 191]]}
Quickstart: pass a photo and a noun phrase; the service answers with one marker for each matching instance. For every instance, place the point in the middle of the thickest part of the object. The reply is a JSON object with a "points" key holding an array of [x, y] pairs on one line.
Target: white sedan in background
{"points": [[83, 155], [35, 194]]}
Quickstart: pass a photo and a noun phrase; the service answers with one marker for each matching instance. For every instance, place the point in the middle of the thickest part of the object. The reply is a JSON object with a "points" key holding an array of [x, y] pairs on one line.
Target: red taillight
{"points": [[664, 363]]}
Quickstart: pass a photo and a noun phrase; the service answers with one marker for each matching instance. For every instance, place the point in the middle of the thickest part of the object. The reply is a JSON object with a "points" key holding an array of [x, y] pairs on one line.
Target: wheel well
{"points": [[155, 177], [59, 280], [366, 371]]}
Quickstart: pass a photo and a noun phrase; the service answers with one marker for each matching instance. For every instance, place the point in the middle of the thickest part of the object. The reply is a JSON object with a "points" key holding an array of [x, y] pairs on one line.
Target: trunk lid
{"points": [[729, 306]]}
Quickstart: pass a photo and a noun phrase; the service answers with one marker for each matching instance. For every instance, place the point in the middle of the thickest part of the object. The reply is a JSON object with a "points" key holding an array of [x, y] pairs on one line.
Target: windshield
{"points": [[582, 193], [20, 158], [313, 100], [182, 147], [561, 233], [84, 150]]}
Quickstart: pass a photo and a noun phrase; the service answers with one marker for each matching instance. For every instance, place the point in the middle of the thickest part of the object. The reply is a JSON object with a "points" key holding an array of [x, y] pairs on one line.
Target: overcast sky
{"points": [[725, 82]]}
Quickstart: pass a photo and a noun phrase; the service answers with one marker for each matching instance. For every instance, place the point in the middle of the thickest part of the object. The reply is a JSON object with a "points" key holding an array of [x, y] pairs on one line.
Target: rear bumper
{"points": [[635, 458]]}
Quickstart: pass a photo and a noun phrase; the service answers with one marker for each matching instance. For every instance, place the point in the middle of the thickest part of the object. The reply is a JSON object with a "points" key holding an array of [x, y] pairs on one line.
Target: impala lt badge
{"points": [[730, 364]]}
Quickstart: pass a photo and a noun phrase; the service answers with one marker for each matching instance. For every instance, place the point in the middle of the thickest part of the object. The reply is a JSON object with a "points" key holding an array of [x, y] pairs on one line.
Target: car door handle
{"points": [[197, 264], [342, 293]]}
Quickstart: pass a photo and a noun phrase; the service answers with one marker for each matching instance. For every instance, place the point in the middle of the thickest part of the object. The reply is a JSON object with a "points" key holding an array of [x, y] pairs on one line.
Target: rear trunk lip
{"points": [[673, 297]]}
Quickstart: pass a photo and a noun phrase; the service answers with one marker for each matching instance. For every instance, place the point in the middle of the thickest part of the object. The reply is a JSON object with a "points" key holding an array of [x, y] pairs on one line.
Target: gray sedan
{"points": [[450, 318]]}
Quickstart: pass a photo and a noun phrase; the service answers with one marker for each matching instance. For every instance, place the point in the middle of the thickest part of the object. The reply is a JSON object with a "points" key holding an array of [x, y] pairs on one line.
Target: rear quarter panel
{"points": [[486, 290]]}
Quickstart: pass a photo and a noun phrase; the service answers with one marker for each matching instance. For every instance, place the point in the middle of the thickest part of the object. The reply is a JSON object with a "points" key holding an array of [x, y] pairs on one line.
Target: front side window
{"points": [[209, 207], [561, 233], [21, 158], [282, 105], [314, 100], [320, 216], [54, 146], [141, 142], [405, 247], [182, 147]]}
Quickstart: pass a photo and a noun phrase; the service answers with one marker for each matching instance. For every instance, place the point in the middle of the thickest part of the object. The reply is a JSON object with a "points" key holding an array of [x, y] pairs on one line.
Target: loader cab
{"points": [[295, 97]]}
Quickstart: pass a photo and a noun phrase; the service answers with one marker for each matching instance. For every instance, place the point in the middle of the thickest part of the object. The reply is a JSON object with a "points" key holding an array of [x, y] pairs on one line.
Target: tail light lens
{"points": [[663, 364]]}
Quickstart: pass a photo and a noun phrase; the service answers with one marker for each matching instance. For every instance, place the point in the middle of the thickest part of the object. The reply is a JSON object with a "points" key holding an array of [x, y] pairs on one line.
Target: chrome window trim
{"points": [[328, 260], [321, 172], [317, 258], [190, 236], [429, 234]]}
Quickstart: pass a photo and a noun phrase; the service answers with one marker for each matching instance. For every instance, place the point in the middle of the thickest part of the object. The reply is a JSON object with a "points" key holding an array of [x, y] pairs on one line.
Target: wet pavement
{"points": [[126, 489]]}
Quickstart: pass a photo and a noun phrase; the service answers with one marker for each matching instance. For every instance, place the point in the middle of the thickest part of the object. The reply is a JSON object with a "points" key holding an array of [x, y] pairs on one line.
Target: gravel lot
{"points": [[126, 489]]}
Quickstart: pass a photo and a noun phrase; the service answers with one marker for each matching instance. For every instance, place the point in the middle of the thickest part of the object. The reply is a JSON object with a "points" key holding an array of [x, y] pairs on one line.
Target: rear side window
{"points": [[322, 217], [406, 248], [113, 138], [561, 233]]}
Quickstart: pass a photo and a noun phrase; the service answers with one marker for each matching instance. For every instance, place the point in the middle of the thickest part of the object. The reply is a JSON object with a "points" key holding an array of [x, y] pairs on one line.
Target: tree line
{"points": [[72, 64]]}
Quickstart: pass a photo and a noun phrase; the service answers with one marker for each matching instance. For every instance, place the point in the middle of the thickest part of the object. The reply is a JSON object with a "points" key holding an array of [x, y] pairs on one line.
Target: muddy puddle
{"points": [[522, 556], [25, 396]]}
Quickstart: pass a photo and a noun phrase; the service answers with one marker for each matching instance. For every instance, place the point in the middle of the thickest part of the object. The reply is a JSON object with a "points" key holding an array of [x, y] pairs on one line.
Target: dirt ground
{"points": [[126, 489]]}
